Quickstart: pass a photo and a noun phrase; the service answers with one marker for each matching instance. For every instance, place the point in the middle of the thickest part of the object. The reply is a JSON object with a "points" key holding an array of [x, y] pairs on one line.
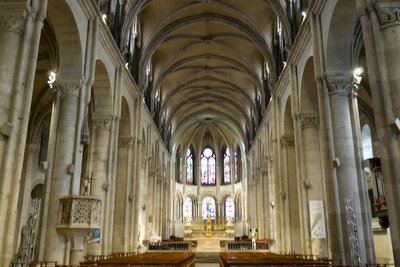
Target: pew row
{"points": [[166, 259], [246, 259]]}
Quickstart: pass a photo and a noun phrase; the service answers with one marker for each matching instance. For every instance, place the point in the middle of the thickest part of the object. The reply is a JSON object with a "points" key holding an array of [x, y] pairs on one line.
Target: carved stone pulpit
{"points": [[78, 215]]}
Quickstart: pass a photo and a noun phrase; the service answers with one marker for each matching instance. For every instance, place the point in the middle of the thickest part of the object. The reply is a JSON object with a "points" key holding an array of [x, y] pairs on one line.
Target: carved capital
{"points": [[102, 123], [388, 13], [12, 23], [339, 84], [67, 89], [308, 120], [287, 141], [125, 142]]}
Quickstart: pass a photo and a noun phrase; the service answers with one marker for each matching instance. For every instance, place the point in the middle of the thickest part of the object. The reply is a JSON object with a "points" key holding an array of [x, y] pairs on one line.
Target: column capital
{"points": [[388, 13], [339, 83], [125, 142], [67, 89], [287, 141], [13, 16], [308, 120], [12, 23], [103, 123]]}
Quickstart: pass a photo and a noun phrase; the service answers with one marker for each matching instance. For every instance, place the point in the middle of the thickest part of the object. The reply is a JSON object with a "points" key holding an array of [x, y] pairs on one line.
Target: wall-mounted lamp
{"points": [[303, 14], [272, 203], [104, 18], [357, 75], [52, 78]]}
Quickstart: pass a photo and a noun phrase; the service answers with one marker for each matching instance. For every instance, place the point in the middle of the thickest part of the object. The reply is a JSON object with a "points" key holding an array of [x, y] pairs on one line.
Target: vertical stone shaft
{"points": [[340, 86], [61, 177], [381, 31]]}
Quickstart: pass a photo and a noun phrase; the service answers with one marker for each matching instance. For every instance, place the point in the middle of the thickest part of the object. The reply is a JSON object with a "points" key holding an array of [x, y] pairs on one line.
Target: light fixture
{"points": [[52, 79], [104, 18], [357, 74], [358, 71], [303, 14]]}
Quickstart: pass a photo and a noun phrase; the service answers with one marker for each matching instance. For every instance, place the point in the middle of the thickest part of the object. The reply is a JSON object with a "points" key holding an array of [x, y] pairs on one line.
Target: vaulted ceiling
{"points": [[206, 64]]}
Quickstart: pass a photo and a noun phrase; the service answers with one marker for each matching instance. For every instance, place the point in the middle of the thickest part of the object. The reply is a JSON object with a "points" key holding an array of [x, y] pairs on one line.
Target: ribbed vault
{"points": [[205, 64]]}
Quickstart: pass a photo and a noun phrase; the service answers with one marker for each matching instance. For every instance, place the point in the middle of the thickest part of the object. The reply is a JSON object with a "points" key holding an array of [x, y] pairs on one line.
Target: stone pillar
{"points": [[62, 165], [122, 199], [316, 235], [137, 202], [288, 186], [381, 31], [340, 86], [101, 181], [159, 207], [20, 29]]}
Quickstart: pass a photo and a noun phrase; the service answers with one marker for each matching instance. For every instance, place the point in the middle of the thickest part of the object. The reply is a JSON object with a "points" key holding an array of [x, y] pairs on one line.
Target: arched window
{"points": [[208, 207], [189, 167], [207, 164], [178, 168], [236, 165], [188, 207], [367, 142], [229, 207], [227, 166]]}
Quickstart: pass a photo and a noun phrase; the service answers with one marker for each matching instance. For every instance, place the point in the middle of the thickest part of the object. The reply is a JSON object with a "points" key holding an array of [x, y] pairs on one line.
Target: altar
{"points": [[210, 236]]}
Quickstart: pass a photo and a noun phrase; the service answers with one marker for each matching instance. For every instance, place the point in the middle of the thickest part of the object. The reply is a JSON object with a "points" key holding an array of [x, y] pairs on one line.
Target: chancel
{"points": [[135, 127]]}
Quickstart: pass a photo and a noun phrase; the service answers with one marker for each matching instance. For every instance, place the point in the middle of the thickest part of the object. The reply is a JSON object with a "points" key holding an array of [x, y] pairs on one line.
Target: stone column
{"points": [[62, 165], [122, 198], [20, 29], [316, 237], [159, 197], [340, 86], [265, 213], [101, 181], [290, 197], [381, 31]]}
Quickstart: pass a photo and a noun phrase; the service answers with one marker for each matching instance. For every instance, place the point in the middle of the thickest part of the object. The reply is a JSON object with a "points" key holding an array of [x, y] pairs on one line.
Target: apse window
{"points": [[208, 207], [208, 165]]}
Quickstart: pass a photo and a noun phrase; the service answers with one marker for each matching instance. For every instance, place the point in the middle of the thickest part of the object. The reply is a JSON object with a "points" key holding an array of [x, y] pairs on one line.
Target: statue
{"points": [[253, 232], [229, 232], [229, 224], [187, 232], [188, 223], [154, 238], [208, 226]]}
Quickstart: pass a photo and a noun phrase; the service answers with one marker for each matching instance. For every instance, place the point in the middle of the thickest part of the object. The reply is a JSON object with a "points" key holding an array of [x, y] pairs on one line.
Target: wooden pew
{"points": [[167, 259], [245, 259]]}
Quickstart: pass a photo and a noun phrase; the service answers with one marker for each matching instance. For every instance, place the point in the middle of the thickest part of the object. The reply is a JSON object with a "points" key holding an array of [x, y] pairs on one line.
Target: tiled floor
{"points": [[207, 264]]}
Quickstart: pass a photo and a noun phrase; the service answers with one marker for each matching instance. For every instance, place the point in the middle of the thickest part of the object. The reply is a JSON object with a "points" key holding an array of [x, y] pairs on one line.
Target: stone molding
{"points": [[308, 120], [12, 23]]}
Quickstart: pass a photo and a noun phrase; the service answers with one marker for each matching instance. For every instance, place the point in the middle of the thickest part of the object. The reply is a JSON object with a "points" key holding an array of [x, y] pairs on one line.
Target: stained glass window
{"points": [[189, 167], [208, 207], [208, 164], [235, 166], [227, 166], [229, 207], [178, 169], [188, 207]]}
